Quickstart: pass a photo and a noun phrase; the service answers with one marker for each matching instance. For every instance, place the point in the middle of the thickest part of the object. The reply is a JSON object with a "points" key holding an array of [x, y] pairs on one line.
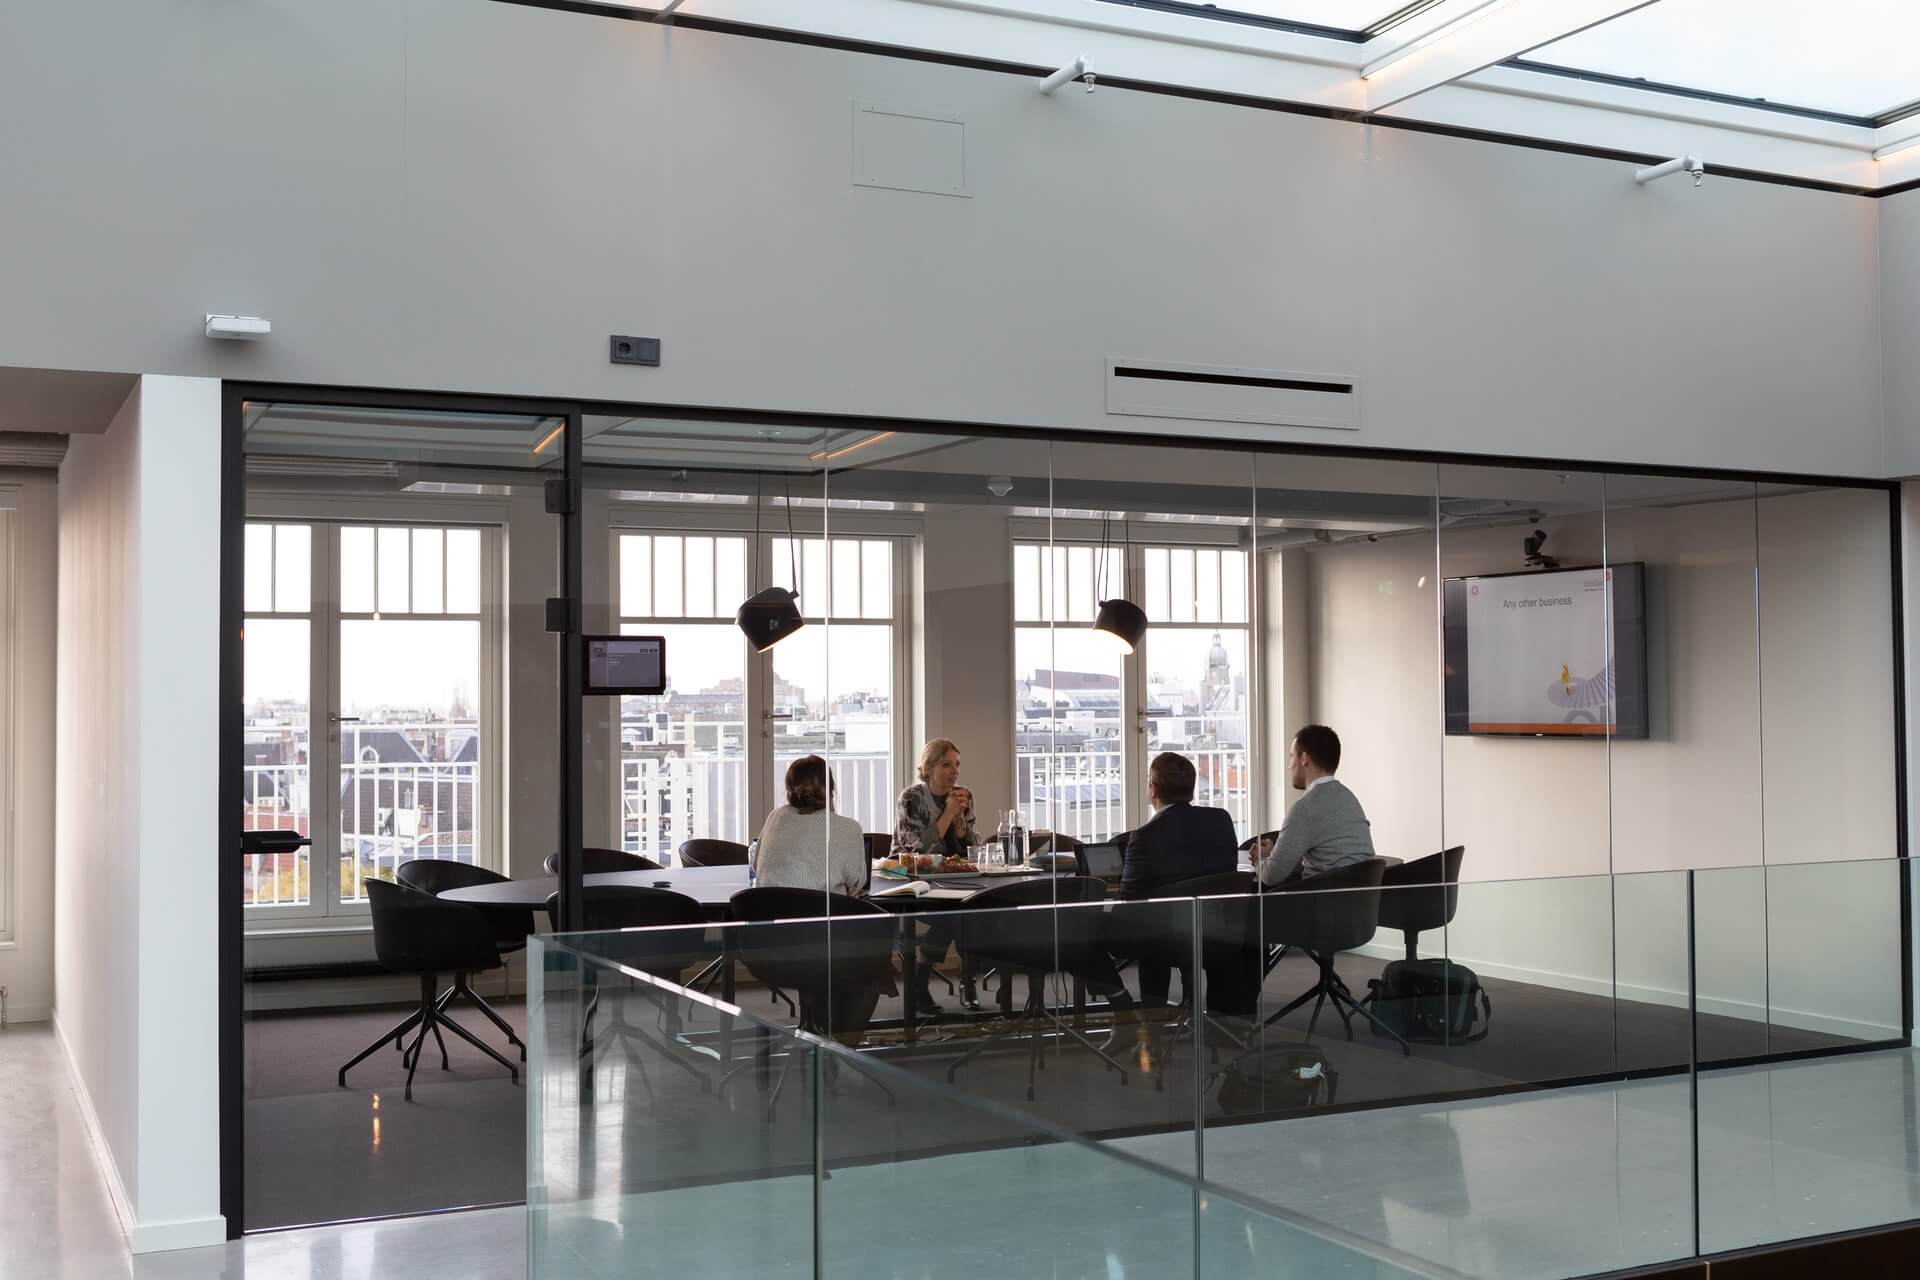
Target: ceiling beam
{"points": [[1892, 139], [1481, 36]]}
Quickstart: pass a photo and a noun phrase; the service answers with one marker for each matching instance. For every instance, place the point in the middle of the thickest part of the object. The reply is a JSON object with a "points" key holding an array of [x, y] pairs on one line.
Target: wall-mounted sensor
{"points": [[245, 328], [999, 486]]}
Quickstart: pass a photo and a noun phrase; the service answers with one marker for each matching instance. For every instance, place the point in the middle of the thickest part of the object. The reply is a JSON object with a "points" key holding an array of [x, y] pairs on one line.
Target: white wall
{"points": [[339, 168], [136, 891], [26, 961], [1900, 328], [1771, 740]]}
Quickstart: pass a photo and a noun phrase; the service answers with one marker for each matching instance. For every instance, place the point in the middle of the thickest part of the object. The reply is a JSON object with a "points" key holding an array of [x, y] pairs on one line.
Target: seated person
{"points": [[1326, 829], [1179, 842], [804, 845], [933, 817]]}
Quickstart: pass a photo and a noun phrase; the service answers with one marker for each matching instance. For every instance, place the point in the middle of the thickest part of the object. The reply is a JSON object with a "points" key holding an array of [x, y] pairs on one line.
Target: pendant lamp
{"points": [[1119, 617], [771, 615]]}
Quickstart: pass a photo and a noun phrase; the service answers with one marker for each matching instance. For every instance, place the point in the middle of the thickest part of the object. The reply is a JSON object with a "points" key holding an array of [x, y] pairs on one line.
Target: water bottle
{"points": [[996, 853], [1017, 847]]}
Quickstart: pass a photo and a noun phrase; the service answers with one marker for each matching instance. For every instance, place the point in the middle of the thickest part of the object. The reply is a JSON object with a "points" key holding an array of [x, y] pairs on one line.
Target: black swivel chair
{"points": [[1008, 928], [595, 862], [665, 939], [419, 934], [1422, 894], [792, 947], [510, 926], [712, 853], [1324, 915], [1229, 950]]}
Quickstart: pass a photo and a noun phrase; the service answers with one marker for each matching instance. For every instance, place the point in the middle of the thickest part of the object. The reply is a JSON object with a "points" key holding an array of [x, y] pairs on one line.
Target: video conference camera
{"points": [[1537, 559]]}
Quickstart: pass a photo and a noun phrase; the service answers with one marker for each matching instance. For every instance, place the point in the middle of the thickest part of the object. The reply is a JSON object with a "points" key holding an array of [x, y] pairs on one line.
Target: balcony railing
{"points": [[668, 799], [1083, 793], [389, 812]]}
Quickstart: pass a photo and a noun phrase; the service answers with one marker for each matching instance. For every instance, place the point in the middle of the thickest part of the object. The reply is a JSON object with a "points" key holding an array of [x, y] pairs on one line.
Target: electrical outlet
{"points": [[625, 349]]}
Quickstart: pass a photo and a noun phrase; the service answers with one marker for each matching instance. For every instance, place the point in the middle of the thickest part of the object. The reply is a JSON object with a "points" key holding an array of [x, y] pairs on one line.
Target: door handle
{"points": [[272, 841], [344, 719]]}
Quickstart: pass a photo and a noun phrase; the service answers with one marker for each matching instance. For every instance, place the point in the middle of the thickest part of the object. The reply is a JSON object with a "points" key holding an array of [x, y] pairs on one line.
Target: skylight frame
{"points": [[1226, 13]]}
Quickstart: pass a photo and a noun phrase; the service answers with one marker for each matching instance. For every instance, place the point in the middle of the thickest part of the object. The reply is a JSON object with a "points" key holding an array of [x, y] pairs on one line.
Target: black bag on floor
{"points": [[1430, 1000], [1275, 1073]]}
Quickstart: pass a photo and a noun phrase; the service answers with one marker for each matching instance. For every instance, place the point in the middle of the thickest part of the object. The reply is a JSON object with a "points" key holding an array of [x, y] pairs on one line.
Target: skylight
{"points": [[1846, 57], [1340, 15]]}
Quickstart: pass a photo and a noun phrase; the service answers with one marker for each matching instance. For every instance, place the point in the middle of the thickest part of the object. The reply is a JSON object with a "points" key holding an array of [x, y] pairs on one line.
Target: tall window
{"points": [[366, 706], [1089, 718], [683, 763], [277, 691], [1194, 669], [693, 760], [410, 737], [833, 681], [1069, 695]]}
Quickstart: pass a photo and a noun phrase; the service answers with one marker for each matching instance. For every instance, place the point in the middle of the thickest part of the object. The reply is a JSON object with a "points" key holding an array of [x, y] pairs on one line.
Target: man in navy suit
{"points": [[1179, 842]]}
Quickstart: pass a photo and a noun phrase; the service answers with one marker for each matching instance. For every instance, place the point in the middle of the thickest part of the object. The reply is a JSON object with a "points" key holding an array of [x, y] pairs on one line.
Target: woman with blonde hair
{"points": [[933, 817], [935, 814]]}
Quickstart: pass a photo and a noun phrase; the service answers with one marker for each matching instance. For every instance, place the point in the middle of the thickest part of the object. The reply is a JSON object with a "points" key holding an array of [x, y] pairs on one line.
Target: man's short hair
{"points": [[1173, 778], [1320, 745]]}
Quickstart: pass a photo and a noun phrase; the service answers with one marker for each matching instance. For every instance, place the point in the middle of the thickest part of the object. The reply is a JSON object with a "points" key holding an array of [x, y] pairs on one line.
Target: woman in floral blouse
{"points": [[933, 816]]}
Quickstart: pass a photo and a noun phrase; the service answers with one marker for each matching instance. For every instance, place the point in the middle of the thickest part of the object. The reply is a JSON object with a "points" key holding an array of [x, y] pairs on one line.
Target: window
{"points": [[389, 658], [1089, 718], [833, 681], [689, 768], [276, 684], [683, 763], [1194, 669], [1069, 703]]}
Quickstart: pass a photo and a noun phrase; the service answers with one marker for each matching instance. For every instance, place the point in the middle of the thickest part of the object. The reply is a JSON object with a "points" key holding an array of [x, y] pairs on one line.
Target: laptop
{"points": [[1104, 861]]}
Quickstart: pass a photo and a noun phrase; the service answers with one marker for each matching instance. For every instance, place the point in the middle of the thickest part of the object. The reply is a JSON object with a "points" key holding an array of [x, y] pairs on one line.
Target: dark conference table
{"points": [[714, 887]]}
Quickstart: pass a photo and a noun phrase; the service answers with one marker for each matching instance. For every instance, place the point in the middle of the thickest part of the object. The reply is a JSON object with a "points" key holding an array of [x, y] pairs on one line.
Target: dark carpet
{"points": [[319, 1153]]}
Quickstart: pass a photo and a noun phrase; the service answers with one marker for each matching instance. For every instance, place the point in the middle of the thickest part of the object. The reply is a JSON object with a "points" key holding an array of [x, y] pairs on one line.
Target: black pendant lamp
{"points": [[1119, 617], [1124, 620], [771, 615]]}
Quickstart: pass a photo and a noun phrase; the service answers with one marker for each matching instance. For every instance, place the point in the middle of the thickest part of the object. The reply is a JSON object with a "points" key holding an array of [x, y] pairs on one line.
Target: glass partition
{"points": [[399, 728]]}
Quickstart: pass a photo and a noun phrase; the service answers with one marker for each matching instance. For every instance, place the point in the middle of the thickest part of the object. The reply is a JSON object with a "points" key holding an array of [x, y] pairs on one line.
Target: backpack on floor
{"points": [[1435, 1001], [1276, 1073]]}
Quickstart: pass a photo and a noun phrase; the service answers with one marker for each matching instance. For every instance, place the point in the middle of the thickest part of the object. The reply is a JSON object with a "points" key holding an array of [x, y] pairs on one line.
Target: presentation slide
{"points": [[1545, 653]]}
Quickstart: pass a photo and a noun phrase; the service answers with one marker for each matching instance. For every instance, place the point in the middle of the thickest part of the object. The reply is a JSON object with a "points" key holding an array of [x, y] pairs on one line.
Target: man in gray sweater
{"points": [[1326, 828]]}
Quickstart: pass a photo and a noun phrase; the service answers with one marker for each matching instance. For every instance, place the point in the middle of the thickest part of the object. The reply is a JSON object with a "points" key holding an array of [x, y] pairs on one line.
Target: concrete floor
{"points": [[1522, 1187], [57, 1223]]}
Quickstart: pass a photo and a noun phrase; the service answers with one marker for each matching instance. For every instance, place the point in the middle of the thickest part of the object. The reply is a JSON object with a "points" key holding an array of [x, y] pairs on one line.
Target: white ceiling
{"points": [[1822, 90]]}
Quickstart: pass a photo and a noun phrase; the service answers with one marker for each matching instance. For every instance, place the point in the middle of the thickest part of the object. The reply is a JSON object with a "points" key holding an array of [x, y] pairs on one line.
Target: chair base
{"points": [[429, 1017], [1033, 1014], [1329, 987], [623, 1033]]}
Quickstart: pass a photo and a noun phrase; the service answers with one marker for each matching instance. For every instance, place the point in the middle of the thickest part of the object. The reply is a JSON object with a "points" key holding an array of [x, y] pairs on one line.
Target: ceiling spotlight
{"points": [[768, 617], [1124, 620], [999, 486]]}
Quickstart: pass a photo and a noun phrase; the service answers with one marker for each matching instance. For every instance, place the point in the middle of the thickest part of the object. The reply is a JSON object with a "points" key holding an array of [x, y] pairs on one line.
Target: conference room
{"points": [[1625, 744]]}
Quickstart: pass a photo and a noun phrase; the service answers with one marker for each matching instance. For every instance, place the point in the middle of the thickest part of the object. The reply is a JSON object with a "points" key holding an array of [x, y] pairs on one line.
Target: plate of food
{"points": [[925, 864]]}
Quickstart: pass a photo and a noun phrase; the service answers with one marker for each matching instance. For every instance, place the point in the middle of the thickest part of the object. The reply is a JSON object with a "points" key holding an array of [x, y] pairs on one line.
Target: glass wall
{"points": [[1555, 783], [399, 731]]}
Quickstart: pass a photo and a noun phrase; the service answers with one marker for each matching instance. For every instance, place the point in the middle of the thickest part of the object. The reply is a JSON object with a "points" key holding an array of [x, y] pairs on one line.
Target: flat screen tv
{"points": [[1556, 653]]}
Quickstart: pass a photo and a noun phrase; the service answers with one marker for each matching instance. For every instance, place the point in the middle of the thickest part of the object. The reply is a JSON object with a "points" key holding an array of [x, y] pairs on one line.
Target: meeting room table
{"points": [[713, 888]]}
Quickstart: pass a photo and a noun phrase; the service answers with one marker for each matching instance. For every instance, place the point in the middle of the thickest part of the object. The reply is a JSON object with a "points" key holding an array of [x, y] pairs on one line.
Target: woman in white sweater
{"points": [[804, 845]]}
